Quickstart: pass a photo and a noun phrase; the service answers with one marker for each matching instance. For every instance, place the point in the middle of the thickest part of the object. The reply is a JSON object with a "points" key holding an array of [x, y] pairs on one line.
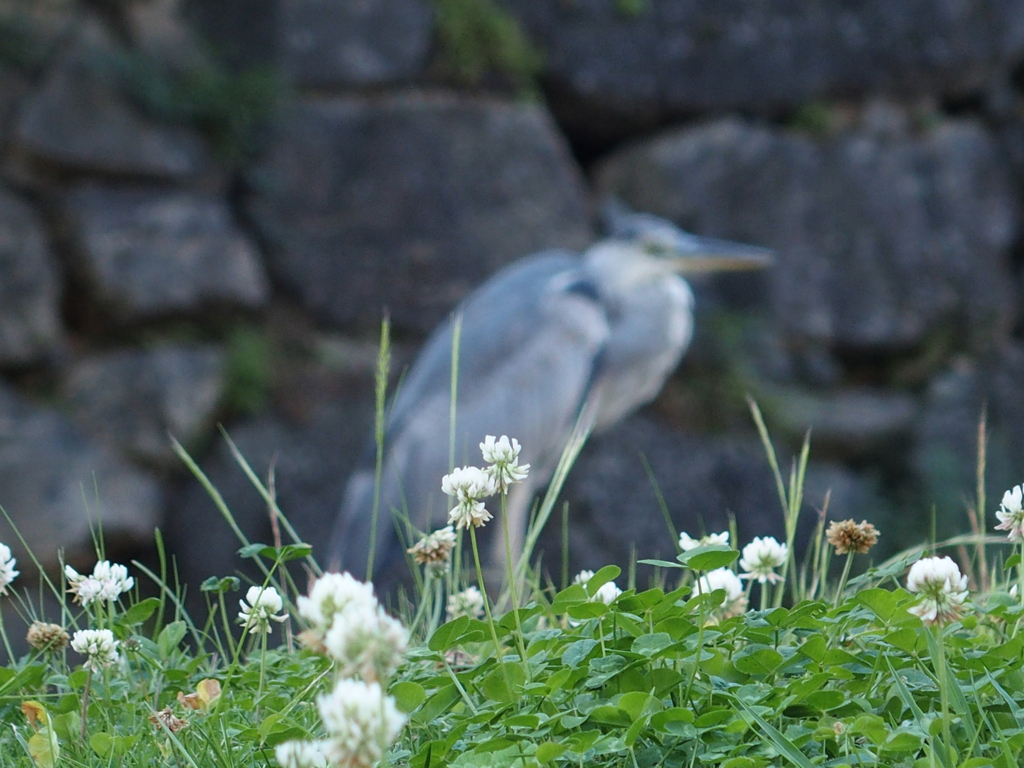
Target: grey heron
{"points": [[552, 337]]}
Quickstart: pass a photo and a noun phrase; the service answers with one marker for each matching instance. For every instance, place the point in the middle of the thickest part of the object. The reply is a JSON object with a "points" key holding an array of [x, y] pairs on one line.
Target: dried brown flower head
{"points": [[435, 549], [848, 536], [165, 717], [47, 637]]}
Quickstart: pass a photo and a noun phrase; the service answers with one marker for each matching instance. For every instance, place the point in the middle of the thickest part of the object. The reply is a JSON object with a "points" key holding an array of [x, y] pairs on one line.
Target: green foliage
{"points": [[656, 677], [231, 109], [479, 38], [632, 8], [814, 117], [249, 371], [22, 46]]}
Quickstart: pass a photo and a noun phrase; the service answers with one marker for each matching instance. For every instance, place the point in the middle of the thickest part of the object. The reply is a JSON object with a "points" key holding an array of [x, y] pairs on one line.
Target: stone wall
{"points": [[206, 208]]}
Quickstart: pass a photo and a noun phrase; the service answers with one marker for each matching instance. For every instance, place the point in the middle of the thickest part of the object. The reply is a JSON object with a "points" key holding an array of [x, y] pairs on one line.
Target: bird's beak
{"points": [[698, 255]]}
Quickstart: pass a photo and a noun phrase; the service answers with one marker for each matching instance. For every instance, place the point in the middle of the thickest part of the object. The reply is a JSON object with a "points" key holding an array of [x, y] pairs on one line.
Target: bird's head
{"points": [[641, 247]]}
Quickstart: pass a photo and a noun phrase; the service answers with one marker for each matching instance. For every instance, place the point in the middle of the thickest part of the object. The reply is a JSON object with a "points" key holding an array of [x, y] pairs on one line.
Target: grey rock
{"points": [[55, 484], [614, 506], [358, 42], [611, 70], [13, 88], [79, 119], [849, 423], [149, 253], [310, 459], [33, 29], [244, 33], [135, 401], [29, 285], [322, 42], [408, 202], [887, 240], [157, 30], [944, 457]]}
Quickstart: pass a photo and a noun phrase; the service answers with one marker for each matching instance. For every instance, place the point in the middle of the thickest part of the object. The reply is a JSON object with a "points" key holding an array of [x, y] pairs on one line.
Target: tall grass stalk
{"points": [[791, 501], [510, 575], [577, 439], [452, 423], [980, 524], [379, 427]]}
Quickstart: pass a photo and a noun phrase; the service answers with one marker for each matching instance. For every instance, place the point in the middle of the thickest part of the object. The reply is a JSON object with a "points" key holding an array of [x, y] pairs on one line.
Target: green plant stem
{"points": [[1020, 575], [943, 680], [700, 652], [85, 702], [520, 644], [7, 642], [426, 596], [487, 609], [843, 578], [263, 667]]}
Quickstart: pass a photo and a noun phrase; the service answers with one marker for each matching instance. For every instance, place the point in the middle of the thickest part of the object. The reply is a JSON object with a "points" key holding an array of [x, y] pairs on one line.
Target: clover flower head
{"points": [[1011, 513], [761, 557], [106, 582], [848, 536], [364, 640], [47, 637], [735, 601], [469, 486], [331, 594], [434, 550], [361, 723], [7, 572], [502, 455], [259, 608], [943, 590], [301, 754], [469, 602], [687, 542], [583, 577], [98, 646], [606, 593]]}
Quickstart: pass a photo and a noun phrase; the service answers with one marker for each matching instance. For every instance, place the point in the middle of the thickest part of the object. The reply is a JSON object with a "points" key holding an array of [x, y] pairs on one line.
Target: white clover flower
{"points": [[361, 723], [106, 582], [761, 557], [583, 577], [301, 754], [942, 587], [7, 572], [364, 640], [98, 646], [503, 457], [1011, 514], [331, 594], [259, 608], [686, 542], [469, 602], [606, 593], [469, 485], [735, 601]]}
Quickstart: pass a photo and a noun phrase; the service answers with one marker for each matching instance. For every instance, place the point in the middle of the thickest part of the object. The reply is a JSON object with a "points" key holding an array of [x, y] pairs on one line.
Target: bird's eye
{"points": [[654, 247]]}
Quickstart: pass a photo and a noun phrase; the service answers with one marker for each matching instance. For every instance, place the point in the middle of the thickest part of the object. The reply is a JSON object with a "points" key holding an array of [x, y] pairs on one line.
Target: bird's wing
{"points": [[529, 341]]}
